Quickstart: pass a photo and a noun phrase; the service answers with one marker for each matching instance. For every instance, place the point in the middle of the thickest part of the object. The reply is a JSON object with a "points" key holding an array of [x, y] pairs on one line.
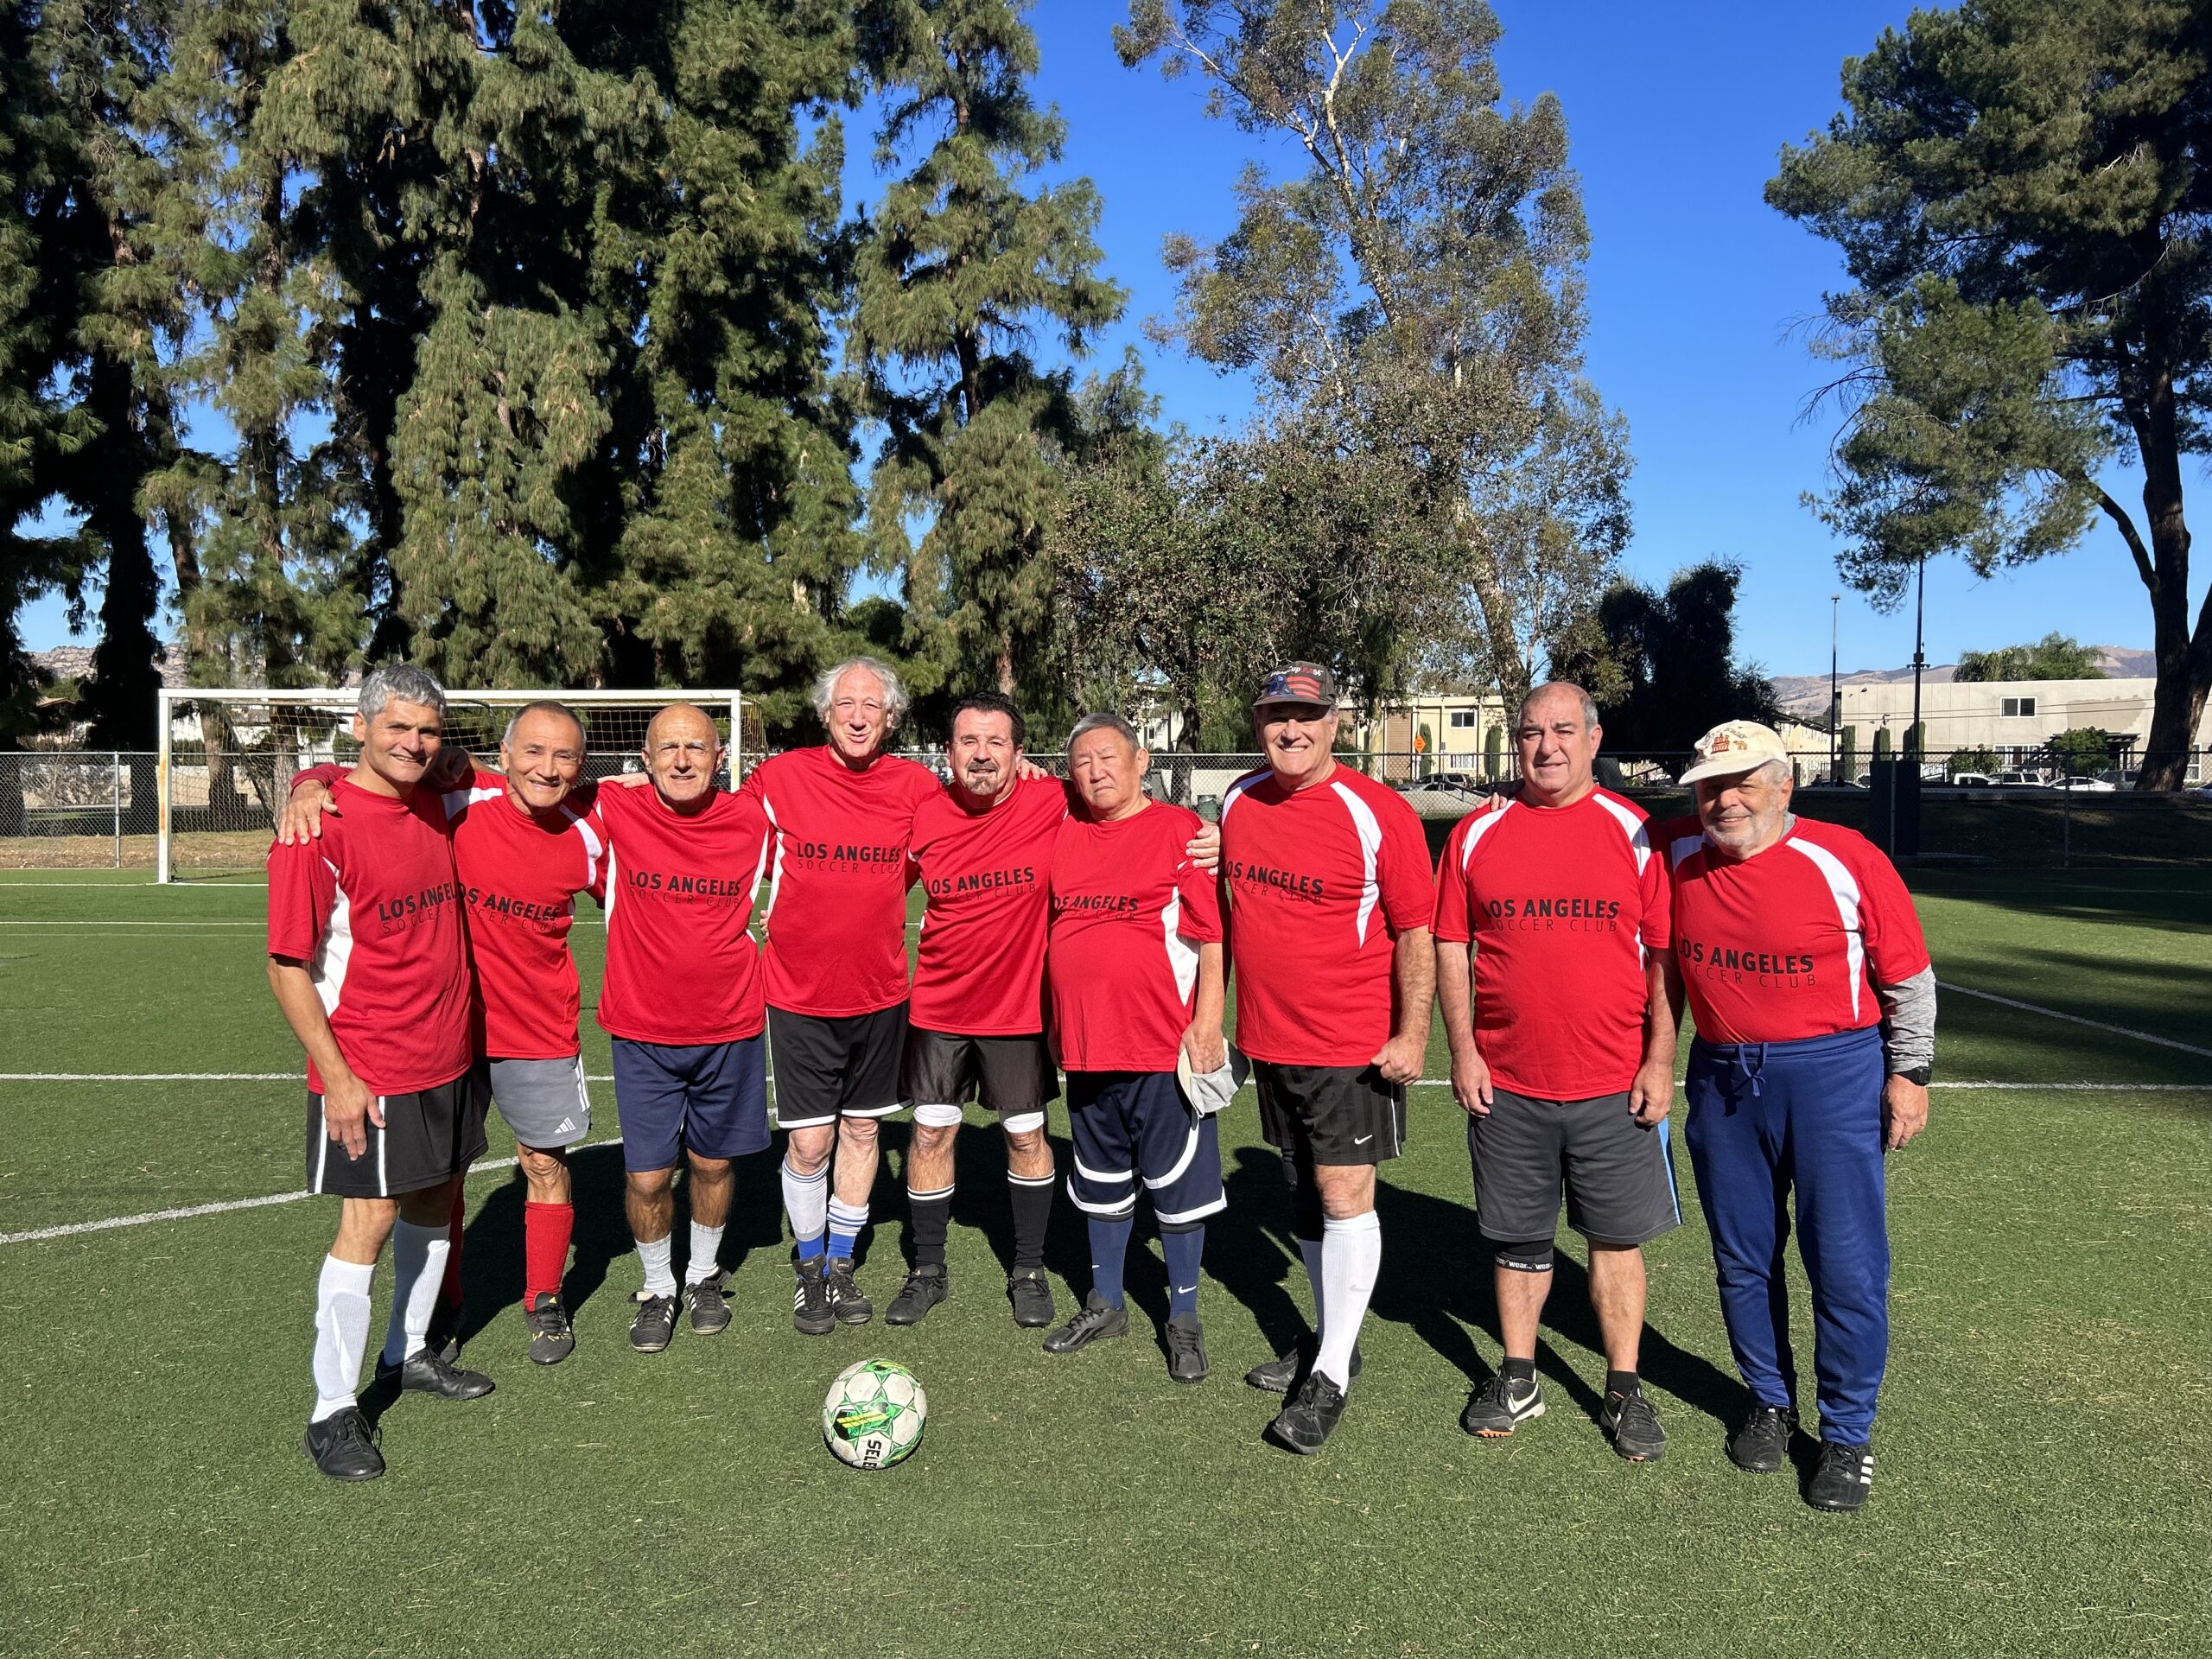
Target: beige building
{"points": [[2016, 718], [1451, 731]]}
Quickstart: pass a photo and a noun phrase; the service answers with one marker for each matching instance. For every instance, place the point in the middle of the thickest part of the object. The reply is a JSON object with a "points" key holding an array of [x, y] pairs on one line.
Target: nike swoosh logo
{"points": [[1185, 1290], [1360, 1140]]}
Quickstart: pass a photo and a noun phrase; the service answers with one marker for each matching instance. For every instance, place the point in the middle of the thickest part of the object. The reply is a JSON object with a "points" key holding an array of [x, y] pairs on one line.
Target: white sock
{"points": [[660, 1278], [706, 1246], [342, 1333], [418, 1265], [806, 1200], [1311, 1249], [1351, 1252]]}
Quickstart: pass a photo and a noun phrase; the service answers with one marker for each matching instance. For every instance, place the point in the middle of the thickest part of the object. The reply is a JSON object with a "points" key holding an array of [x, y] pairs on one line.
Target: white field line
{"points": [[1421, 1083], [102, 923], [2074, 1019]]}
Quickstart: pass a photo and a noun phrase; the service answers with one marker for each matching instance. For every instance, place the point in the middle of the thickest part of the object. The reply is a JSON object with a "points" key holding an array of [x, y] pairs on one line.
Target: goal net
{"points": [[227, 757]]}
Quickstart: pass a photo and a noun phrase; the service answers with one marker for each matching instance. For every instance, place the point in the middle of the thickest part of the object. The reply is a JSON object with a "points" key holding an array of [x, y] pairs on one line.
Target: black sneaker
{"points": [[1031, 1296], [552, 1339], [654, 1322], [1098, 1318], [343, 1447], [1187, 1348], [1287, 1370], [444, 1336], [1843, 1479], [811, 1315], [846, 1300], [1634, 1427], [428, 1371], [1502, 1404], [923, 1289], [1310, 1417], [710, 1305], [1761, 1447]]}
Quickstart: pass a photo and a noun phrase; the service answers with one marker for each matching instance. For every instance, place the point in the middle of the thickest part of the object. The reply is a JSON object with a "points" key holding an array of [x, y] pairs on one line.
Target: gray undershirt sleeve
{"points": [[1909, 1022]]}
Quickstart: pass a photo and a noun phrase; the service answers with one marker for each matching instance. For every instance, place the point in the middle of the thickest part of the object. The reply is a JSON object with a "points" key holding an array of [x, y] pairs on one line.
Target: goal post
{"points": [[226, 755]]}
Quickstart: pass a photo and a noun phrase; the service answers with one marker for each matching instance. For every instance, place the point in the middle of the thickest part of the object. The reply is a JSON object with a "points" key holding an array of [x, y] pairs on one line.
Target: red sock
{"points": [[545, 1230], [449, 1288]]}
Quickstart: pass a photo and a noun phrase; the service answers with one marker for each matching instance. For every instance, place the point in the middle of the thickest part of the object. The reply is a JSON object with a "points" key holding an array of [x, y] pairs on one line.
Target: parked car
{"points": [[2018, 780], [1972, 780], [2085, 785]]}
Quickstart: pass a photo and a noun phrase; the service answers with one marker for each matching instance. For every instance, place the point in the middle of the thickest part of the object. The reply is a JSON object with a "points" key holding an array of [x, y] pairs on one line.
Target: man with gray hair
{"points": [[1551, 949], [840, 814], [368, 960], [1814, 999]]}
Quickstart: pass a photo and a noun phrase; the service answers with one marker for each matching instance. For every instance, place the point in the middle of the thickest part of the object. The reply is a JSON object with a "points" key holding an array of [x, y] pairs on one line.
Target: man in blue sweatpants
{"points": [[1803, 963]]}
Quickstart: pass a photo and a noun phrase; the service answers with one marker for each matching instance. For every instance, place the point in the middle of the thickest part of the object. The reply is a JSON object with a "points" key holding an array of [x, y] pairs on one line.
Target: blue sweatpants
{"points": [[1766, 1119]]}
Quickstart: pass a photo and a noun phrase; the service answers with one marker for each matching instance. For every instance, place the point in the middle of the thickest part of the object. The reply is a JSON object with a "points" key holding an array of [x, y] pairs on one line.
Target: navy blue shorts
{"points": [[712, 1098], [1136, 1125]]}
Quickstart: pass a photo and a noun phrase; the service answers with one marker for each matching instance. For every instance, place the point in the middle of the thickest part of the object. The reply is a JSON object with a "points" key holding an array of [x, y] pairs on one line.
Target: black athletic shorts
{"points": [[426, 1139], [825, 1065], [1008, 1074], [1340, 1114], [1618, 1176]]}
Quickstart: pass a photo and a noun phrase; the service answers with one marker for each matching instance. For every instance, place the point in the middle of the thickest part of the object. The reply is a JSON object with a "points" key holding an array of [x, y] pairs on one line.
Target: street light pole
{"points": [[1835, 695], [1917, 738]]}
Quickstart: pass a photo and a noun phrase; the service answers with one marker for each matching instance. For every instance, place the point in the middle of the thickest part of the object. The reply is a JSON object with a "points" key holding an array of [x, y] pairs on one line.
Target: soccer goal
{"points": [[227, 756]]}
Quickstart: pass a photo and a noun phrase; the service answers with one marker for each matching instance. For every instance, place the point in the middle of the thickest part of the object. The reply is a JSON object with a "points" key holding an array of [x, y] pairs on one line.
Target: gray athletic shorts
{"points": [[542, 1101], [1619, 1177]]}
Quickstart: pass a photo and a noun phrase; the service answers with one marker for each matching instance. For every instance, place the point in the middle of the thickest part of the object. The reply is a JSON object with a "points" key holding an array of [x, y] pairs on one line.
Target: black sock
{"points": [[1525, 1369], [1033, 1213], [1620, 1382], [929, 1216]]}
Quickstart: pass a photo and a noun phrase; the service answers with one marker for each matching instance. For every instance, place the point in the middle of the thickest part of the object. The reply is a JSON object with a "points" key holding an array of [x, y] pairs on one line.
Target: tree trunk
{"points": [[2185, 661], [124, 676]]}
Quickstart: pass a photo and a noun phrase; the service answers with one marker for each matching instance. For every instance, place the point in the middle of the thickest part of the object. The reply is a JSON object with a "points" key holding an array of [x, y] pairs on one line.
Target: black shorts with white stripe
{"points": [[1334, 1114], [426, 1139], [830, 1066]]}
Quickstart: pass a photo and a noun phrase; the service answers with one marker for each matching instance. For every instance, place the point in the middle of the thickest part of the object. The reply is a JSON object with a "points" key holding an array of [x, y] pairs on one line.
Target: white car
{"points": [[2085, 785], [2018, 780], [1972, 780]]}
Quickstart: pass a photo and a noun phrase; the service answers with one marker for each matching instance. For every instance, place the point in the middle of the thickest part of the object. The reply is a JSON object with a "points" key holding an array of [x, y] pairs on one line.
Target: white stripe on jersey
{"points": [[1632, 826], [334, 951], [1843, 888], [612, 882], [776, 834], [1182, 959], [1485, 821], [1369, 829], [1681, 847], [593, 848]]}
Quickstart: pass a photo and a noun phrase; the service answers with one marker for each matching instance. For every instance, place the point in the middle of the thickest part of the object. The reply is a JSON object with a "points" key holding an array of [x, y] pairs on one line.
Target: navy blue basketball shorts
{"points": [[1135, 1127], [710, 1097]]}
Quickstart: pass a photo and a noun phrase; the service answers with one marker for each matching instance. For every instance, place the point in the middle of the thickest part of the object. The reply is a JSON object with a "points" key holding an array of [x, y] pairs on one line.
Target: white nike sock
{"points": [[342, 1333], [660, 1278], [1351, 1253], [806, 1200], [1311, 1249], [418, 1264], [706, 1247]]}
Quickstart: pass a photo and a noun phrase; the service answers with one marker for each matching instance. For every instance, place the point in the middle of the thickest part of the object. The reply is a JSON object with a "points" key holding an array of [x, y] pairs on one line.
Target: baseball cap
{"points": [[1298, 682], [1732, 747]]}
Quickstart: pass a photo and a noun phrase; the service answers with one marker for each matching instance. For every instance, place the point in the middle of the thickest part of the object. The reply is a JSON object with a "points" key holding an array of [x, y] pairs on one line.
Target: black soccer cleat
{"points": [[923, 1289], [1843, 1480], [1633, 1427], [443, 1338], [1311, 1417], [654, 1324], [1501, 1405], [1096, 1319], [1761, 1447], [1187, 1348], [1287, 1370], [812, 1314], [428, 1371], [552, 1338], [344, 1446], [1031, 1296], [846, 1299], [710, 1305]]}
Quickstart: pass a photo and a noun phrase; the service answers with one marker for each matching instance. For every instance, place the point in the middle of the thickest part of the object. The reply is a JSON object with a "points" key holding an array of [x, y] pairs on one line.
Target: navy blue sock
{"points": [[1109, 1245], [1183, 1246]]}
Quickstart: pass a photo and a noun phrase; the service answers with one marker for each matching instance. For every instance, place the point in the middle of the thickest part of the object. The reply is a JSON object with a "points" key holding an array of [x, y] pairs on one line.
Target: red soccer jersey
{"points": [[372, 909], [682, 967], [1790, 943], [1561, 903], [837, 918], [1130, 911], [979, 969], [1320, 882]]}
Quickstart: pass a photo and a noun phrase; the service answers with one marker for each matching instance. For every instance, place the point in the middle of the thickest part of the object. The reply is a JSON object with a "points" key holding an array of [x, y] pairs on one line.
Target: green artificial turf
{"points": [[2041, 1484]]}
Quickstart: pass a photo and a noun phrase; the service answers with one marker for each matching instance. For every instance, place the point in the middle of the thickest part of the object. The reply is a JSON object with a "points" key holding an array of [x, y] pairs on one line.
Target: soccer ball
{"points": [[874, 1413]]}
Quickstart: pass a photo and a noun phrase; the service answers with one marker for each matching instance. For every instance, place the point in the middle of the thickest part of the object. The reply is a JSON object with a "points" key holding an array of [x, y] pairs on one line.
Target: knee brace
{"points": [[1535, 1256], [937, 1118], [1021, 1123]]}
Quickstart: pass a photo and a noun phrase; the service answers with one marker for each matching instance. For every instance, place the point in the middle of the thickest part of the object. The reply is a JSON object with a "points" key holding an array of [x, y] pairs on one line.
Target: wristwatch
{"points": [[1917, 1076]]}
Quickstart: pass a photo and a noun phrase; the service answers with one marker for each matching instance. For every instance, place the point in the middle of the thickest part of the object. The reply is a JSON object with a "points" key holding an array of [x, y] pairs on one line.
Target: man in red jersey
{"points": [[1326, 877], [835, 961], [1134, 962], [368, 961], [1562, 1050], [1815, 1007], [524, 849], [682, 1000]]}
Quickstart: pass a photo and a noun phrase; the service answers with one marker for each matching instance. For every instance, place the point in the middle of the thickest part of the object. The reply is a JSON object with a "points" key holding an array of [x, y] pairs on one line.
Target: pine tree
{"points": [[961, 265]]}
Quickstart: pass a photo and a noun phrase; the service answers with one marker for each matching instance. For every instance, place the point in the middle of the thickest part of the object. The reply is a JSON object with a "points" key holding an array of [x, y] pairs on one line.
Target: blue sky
{"points": [[1676, 114]]}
